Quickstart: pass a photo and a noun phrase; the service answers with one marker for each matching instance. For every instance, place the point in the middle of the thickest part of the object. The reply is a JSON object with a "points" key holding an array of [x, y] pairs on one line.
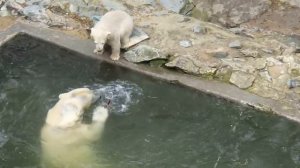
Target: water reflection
{"points": [[165, 125]]}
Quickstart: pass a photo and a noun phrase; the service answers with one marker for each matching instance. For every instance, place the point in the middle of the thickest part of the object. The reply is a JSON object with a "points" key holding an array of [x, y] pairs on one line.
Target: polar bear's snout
{"points": [[99, 48]]}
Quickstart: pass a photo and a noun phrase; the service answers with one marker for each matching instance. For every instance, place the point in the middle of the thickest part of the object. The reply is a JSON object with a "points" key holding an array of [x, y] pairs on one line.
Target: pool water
{"points": [[153, 124]]}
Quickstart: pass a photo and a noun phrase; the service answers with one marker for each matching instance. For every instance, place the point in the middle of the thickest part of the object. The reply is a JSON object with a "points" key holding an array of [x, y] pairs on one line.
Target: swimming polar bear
{"points": [[65, 139], [114, 29]]}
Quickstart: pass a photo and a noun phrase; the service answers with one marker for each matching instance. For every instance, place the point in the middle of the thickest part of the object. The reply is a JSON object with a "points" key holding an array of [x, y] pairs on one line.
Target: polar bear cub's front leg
{"points": [[94, 130], [115, 46]]}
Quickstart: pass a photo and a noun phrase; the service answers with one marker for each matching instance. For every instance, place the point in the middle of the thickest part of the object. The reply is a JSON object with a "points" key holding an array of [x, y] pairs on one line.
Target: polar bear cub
{"points": [[65, 139], [114, 29]]}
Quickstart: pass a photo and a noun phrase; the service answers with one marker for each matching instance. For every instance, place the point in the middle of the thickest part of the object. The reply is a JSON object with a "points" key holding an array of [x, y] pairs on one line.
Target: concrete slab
{"points": [[86, 47]]}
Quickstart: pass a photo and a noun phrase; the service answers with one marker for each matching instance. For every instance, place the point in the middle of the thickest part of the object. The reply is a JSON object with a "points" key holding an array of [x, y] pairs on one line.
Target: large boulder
{"points": [[231, 12], [205, 65], [143, 53], [174, 5], [294, 3], [241, 79]]}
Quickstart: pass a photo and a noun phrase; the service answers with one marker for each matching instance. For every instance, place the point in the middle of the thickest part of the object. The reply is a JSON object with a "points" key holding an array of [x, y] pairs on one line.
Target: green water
{"points": [[153, 124]]}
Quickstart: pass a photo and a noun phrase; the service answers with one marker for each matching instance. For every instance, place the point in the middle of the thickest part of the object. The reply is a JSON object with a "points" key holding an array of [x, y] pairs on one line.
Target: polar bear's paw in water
{"points": [[100, 114]]}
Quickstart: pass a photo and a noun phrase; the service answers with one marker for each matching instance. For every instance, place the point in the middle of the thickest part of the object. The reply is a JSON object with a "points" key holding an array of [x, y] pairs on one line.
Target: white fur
{"points": [[65, 139], [114, 29]]}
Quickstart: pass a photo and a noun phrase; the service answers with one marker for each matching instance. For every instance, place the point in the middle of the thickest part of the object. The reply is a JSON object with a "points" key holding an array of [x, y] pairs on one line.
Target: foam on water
{"points": [[3, 138], [121, 94]]}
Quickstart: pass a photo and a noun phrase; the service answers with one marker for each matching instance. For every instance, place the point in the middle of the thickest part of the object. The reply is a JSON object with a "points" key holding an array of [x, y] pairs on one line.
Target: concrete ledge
{"points": [[86, 47]]}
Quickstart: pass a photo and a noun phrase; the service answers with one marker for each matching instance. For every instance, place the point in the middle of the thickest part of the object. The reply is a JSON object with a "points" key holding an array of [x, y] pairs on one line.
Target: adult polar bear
{"points": [[114, 29], [65, 139]]}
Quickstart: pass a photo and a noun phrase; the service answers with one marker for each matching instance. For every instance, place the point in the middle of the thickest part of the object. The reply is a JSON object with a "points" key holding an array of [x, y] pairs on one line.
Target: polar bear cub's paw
{"points": [[115, 57], [100, 114]]}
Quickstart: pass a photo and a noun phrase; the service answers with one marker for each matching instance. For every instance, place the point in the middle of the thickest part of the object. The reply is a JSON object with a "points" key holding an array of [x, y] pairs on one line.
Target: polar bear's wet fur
{"points": [[65, 139], [114, 29]]}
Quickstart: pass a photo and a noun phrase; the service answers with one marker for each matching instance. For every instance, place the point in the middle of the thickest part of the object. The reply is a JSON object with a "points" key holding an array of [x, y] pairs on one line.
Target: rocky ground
{"points": [[254, 45]]}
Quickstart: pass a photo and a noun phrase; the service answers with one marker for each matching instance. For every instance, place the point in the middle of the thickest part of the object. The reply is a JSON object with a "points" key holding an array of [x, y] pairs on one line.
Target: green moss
{"points": [[157, 63], [209, 76], [295, 72], [201, 15], [223, 75]]}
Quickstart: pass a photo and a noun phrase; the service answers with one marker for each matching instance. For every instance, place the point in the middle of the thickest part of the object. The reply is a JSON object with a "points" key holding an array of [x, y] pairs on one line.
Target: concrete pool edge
{"points": [[85, 47]]}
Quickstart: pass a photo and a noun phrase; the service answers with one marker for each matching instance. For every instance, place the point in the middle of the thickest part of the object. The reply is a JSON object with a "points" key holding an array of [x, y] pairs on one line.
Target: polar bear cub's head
{"points": [[100, 38], [68, 111]]}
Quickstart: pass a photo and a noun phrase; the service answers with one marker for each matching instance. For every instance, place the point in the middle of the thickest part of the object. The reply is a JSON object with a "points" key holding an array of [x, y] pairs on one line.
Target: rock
{"points": [[161, 13], [43, 3], [197, 65], [235, 44], [262, 88], [294, 71], [250, 53], [185, 43], [289, 50], [260, 63], [236, 30], [294, 3], [35, 13], [92, 12], [199, 29], [173, 5], [239, 65], [272, 61], [73, 8], [267, 50], [224, 73], [183, 19], [184, 63], [286, 59], [4, 12], [63, 21], [277, 70], [187, 9], [20, 1], [292, 83], [231, 12], [148, 2], [218, 53], [265, 75], [144, 53], [280, 82], [113, 5], [297, 49], [202, 14], [241, 79]]}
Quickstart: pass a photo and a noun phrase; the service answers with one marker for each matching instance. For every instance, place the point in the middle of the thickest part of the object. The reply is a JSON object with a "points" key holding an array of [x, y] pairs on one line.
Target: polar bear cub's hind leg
{"points": [[127, 33]]}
